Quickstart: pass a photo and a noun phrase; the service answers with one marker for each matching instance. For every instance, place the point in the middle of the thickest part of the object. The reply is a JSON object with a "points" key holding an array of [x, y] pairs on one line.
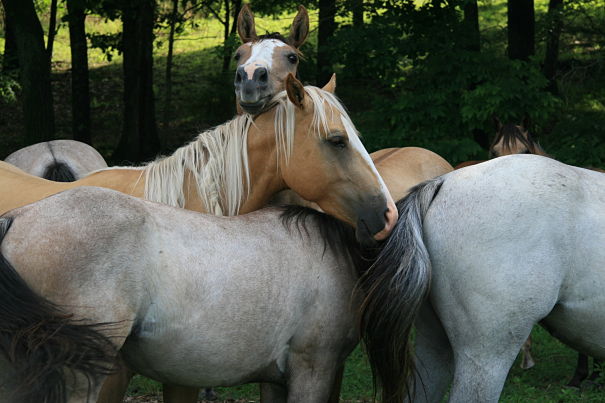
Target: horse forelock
{"points": [[217, 163], [510, 133], [323, 102]]}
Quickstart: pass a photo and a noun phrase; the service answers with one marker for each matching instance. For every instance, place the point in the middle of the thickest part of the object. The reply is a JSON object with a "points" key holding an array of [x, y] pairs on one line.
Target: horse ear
{"points": [[300, 28], [497, 123], [295, 90], [331, 85], [245, 25]]}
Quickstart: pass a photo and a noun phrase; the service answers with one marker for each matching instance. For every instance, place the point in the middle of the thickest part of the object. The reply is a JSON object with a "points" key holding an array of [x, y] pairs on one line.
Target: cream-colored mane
{"points": [[217, 159]]}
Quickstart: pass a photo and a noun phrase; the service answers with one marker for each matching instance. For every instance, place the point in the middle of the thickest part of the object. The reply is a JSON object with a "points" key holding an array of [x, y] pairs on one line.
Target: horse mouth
{"points": [[254, 108]]}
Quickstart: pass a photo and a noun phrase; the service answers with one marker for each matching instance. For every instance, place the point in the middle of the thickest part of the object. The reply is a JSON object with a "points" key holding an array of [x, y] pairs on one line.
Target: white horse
{"points": [[515, 241], [58, 160], [187, 298]]}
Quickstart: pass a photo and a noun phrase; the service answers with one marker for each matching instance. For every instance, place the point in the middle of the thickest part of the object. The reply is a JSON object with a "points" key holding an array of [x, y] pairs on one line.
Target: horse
{"points": [[58, 160], [510, 243], [184, 298], [264, 62], [306, 142]]}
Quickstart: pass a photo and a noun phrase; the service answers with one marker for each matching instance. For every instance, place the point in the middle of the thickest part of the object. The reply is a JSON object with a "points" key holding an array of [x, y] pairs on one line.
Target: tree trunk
{"points": [[521, 28], [168, 95], [10, 60], [139, 139], [237, 6], [80, 91], [226, 47], [555, 24], [471, 26], [52, 30], [327, 26], [357, 13], [35, 70]]}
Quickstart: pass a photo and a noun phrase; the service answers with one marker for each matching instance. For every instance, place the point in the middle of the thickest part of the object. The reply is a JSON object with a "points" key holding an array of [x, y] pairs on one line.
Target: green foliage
{"points": [[8, 89]]}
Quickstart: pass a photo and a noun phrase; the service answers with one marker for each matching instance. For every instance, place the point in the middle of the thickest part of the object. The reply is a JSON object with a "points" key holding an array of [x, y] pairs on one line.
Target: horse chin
{"points": [[254, 108]]}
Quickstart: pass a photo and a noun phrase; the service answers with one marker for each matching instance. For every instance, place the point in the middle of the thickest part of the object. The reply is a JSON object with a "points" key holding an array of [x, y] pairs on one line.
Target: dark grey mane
{"points": [[273, 35], [336, 235]]}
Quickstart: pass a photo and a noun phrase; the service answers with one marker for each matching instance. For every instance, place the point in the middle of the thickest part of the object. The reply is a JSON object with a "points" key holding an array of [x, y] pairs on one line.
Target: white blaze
{"points": [[262, 55]]}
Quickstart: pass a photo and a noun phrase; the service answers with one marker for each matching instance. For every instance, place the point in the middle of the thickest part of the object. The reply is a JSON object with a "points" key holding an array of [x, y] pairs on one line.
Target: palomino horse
{"points": [[188, 299], [58, 160], [265, 61], [512, 242], [306, 142]]}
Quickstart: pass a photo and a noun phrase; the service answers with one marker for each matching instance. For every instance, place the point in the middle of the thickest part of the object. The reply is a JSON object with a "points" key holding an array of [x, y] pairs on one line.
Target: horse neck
{"points": [[265, 176]]}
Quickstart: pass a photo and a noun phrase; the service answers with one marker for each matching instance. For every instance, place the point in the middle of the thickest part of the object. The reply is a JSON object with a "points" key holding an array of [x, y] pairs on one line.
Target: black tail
{"points": [[395, 287], [59, 172], [43, 345]]}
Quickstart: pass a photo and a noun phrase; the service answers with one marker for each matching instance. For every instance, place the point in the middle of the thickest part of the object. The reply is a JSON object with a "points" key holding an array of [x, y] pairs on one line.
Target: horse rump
{"points": [[43, 345], [394, 287], [59, 172]]}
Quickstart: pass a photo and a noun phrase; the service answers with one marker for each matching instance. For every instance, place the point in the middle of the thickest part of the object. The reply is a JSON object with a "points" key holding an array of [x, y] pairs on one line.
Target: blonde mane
{"points": [[217, 160]]}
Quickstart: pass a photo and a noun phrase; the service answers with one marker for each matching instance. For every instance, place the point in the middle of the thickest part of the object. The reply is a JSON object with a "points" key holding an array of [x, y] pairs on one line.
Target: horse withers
{"points": [[186, 298], [512, 242]]}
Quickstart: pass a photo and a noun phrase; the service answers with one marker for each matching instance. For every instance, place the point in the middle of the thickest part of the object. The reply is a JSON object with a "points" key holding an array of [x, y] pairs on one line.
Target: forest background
{"points": [[135, 78]]}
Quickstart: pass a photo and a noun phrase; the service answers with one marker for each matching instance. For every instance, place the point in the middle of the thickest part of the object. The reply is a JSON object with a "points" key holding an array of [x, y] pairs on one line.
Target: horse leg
{"points": [[180, 394], [273, 393], [581, 371], [311, 377], [115, 385], [527, 361], [434, 358]]}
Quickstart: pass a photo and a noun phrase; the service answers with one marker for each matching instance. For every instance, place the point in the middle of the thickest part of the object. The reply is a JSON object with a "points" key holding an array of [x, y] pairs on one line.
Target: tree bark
{"points": [[325, 32], [226, 47], [357, 13], [168, 95], [80, 90], [10, 60], [471, 26], [52, 30], [521, 27], [34, 68], [139, 140], [551, 58]]}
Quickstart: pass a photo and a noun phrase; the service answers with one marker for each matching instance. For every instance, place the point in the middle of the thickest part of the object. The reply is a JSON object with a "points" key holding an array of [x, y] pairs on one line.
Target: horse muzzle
{"points": [[376, 223], [253, 93]]}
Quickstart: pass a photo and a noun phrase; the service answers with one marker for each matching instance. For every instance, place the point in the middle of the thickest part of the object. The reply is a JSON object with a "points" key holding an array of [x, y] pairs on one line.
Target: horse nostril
{"points": [[238, 76], [263, 76]]}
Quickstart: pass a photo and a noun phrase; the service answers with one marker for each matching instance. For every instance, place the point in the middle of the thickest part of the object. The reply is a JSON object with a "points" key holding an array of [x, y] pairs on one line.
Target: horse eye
{"points": [[292, 58], [337, 141], [237, 56]]}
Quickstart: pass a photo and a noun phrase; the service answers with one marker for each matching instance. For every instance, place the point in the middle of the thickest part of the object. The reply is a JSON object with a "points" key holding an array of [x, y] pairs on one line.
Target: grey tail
{"points": [[59, 172], [395, 287]]}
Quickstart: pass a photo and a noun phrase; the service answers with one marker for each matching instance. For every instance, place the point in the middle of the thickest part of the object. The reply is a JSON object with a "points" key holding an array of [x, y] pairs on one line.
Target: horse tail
{"points": [[395, 287], [59, 172], [43, 346]]}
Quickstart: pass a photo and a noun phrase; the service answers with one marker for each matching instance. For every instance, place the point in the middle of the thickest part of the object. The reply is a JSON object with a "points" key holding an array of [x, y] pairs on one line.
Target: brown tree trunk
{"points": [[80, 91], [52, 30], [10, 59], [357, 13], [139, 140], [471, 26], [226, 26], [551, 58], [521, 27], [35, 70], [325, 31], [168, 95]]}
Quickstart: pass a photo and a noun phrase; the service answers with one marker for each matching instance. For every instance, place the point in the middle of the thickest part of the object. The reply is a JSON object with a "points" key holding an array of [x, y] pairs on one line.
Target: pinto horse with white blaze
{"points": [[58, 160], [185, 298], [510, 243], [264, 62]]}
